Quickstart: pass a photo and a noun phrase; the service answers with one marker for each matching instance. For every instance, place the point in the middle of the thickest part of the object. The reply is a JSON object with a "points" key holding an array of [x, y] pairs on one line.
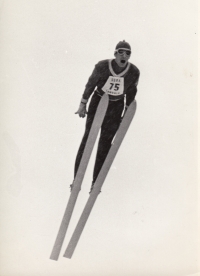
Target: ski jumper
{"points": [[121, 85]]}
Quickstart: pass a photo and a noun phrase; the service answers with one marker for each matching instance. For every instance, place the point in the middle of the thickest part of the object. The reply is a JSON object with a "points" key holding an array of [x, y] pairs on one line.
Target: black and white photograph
{"points": [[99, 138]]}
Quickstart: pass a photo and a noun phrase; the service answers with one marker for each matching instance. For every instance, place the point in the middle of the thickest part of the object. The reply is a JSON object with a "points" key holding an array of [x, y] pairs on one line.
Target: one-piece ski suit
{"points": [[121, 85]]}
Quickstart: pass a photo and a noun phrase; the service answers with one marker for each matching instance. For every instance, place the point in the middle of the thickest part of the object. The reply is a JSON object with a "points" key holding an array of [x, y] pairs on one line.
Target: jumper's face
{"points": [[122, 56]]}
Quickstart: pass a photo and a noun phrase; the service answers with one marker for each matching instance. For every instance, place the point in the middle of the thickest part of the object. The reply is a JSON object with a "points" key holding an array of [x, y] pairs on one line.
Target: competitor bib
{"points": [[114, 86]]}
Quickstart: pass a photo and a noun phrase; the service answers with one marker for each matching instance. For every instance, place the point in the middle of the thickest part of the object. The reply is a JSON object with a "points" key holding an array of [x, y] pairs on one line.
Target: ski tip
{"points": [[133, 106], [105, 97]]}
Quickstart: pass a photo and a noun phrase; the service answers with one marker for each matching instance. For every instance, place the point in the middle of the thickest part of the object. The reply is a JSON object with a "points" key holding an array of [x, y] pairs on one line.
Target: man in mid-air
{"points": [[118, 78]]}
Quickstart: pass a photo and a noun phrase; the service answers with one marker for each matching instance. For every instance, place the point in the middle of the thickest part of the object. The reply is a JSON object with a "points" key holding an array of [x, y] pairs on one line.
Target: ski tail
{"points": [[100, 179], [97, 122]]}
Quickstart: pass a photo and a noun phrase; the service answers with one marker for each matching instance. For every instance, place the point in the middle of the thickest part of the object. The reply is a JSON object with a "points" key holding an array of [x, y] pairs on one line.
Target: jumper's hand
{"points": [[81, 110]]}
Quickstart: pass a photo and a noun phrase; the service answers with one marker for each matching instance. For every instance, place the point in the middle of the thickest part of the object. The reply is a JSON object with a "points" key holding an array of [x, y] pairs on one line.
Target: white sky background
{"points": [[145, 220]]}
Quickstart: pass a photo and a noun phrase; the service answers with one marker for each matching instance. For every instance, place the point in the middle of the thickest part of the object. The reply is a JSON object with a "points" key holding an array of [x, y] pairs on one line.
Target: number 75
{"points": [[115, 85]]}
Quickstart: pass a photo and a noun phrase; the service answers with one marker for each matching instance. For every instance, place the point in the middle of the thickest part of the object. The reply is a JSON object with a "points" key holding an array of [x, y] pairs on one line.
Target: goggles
{"points": [[122, 51]]}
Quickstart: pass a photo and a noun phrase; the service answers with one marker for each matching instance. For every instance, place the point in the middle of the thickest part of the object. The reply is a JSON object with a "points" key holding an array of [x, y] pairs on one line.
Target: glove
{"points": [[82, 111]]}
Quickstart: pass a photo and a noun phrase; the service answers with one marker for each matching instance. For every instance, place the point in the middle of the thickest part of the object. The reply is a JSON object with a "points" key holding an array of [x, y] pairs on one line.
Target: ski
{"points": [[97, 122], [100, 179]]}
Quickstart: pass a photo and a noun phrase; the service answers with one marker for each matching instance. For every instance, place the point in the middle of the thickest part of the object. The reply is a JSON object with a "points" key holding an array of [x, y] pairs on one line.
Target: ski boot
{"points": [[71, 187], [92, 188]]}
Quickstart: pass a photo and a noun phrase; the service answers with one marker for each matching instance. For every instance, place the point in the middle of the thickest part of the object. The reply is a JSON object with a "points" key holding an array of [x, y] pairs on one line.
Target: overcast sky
{"points": [[145, 220]]}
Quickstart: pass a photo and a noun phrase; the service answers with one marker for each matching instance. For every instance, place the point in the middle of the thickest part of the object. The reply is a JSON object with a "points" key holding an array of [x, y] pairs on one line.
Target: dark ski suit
{"points": [[117, 103]]}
